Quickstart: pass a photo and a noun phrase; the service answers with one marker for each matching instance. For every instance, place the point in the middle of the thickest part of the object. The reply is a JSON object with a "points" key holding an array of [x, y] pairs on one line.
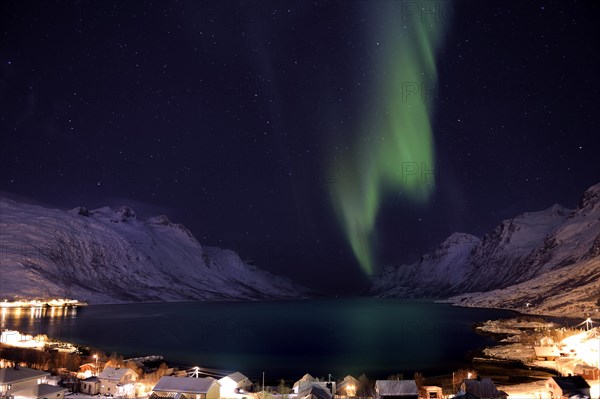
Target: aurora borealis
{"points": [[392, 153], [320, 140]]}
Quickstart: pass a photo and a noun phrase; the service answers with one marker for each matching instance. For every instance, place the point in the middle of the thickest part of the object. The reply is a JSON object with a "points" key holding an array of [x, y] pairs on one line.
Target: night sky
{"points": [[232, 118]]}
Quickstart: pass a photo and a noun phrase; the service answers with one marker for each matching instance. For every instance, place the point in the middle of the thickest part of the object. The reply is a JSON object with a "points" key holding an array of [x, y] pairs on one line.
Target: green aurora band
{"points": [[393, 152]]}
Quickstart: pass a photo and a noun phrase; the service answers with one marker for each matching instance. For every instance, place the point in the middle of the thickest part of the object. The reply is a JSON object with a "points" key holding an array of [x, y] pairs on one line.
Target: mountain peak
{"points": [[591, 197]]}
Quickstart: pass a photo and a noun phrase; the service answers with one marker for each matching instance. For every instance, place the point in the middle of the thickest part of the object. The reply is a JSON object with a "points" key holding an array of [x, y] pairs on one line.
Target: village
{"points": [[25, 361]]}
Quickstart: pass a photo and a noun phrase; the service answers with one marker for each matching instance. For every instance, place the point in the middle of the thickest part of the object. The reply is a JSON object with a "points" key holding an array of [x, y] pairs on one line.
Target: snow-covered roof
{"points": [[348, 380], [91, 379], [545, 351], [235, 377], [580, 368], [306, 377], [10, 375], [396, 387], [184, 384], [114, 373], [39, 391], [313, 391], [484, 388], [571, 384]]}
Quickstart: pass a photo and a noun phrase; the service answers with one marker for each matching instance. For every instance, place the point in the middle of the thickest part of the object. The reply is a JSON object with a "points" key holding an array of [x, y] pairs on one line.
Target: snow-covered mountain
{"points": [[544, 262], [111, 256]]}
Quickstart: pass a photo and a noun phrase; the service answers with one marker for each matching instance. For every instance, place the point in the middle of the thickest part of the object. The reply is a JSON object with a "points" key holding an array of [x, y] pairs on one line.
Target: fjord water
{"points": [[285, 339]]}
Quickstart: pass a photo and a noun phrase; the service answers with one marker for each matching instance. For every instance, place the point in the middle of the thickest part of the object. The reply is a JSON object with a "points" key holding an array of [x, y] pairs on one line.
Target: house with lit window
{"points": [[115, 381], [14, 379], [234, 384], [170, 387], [348, 387], [431, 392]]}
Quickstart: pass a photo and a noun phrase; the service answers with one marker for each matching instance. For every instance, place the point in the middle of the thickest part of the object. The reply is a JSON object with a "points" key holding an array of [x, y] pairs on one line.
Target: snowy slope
{"points": [[109, 256], [437, 273], [549, 259]]}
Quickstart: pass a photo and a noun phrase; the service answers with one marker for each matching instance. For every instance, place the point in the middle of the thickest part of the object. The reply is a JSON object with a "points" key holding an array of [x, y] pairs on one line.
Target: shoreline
{"points": [[507, 371]]}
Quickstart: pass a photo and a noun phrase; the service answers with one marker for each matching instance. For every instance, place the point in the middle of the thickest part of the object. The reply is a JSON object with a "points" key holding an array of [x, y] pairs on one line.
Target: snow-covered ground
{"points": [[583, 347]]}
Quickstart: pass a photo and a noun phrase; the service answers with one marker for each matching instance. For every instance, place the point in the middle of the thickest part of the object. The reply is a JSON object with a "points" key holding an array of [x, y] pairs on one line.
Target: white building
{"points": [[13, 379], [90, 386], [305, 378], [41, 391], [116, 381], [234, 384]]}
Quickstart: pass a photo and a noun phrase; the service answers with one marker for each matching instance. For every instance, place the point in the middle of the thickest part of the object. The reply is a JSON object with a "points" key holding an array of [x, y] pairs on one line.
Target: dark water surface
{"points": [[378, 337]]}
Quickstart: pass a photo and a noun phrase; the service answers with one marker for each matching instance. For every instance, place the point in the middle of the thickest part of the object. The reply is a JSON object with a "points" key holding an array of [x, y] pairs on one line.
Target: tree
{"points": [[419, 380], [462, 374], [364, 387], [115, 360], [136, 369], [283, 389]]}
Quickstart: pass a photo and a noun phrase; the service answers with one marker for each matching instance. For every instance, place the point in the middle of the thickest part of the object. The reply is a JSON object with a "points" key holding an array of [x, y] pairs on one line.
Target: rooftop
{"points": [[396, 387], [184, 384], [15, 374], [39, 391], [114, 374]]}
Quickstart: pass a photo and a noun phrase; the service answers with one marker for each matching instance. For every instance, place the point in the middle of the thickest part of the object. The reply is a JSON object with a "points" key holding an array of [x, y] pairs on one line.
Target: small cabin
{"points": [[589, 373], [234, 384], [90, 386]]}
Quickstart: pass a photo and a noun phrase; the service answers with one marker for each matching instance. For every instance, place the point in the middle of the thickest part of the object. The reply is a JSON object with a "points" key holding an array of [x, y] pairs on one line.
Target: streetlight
{"points": [[96, 357]]}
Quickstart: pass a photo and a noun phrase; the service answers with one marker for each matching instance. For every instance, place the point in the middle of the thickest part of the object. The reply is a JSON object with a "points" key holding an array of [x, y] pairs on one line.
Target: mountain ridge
{"points": [[526, 263], [110, 255]]}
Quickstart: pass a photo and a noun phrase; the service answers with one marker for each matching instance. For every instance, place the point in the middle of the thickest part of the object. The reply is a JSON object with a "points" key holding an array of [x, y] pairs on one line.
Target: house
{"points": [[396, 389], [313, 390], [233, 384], [480, 388], [567, 387], [305, 378], [186, 388], [430, 392], [87, 370], [546, 352], [115, 381], [590, 373], [40, 391], [348, 387], [13, 379], [90, 386]]}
